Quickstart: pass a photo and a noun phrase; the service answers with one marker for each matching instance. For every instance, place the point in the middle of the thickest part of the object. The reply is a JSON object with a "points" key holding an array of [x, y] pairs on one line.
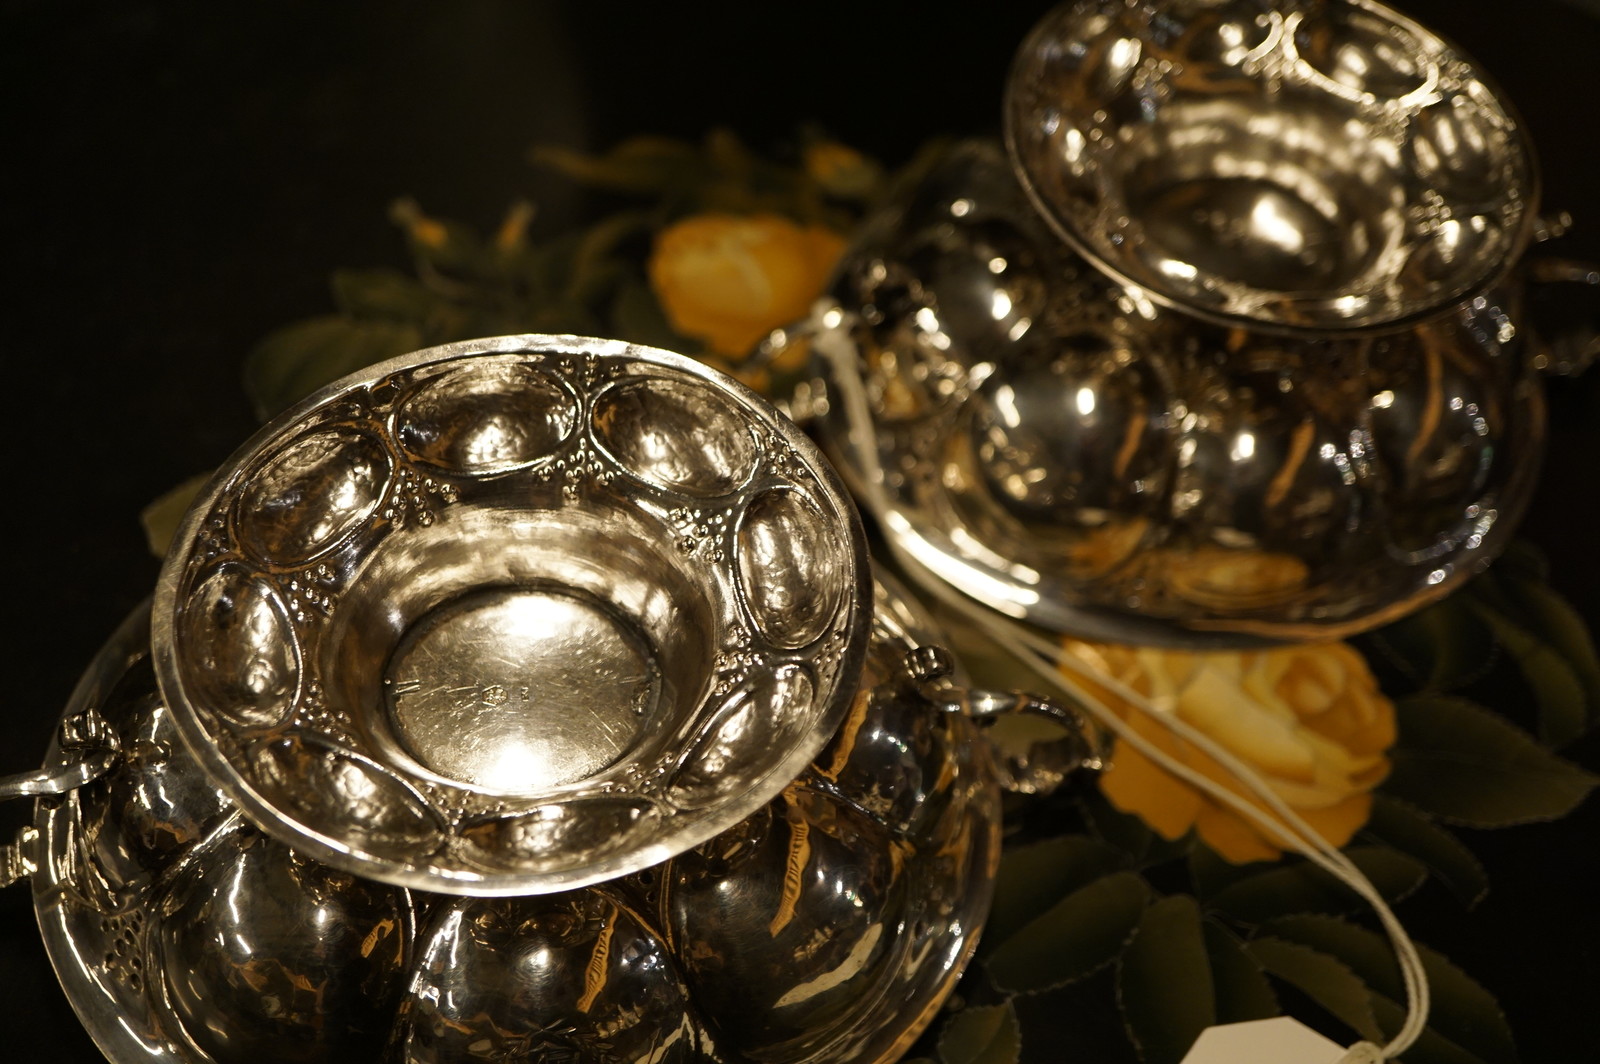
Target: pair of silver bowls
{"points": [[534, 698]]}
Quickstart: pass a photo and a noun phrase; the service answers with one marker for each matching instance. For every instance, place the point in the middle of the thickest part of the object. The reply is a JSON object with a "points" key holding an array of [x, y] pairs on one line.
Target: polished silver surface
{"points": [[1284, 165], [825, 927], [57, 780], [1063, 449], [514, 615]]}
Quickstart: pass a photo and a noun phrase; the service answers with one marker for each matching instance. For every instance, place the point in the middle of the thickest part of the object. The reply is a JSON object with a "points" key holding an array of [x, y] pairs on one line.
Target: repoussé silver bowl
{"points": [[1276, 164], [522, 698], [1223, 346]]}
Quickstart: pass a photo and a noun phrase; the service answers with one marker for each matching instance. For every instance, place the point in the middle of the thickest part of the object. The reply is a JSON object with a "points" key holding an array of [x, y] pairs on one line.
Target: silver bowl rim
{"points": [[267, 816], [1492, 274]]}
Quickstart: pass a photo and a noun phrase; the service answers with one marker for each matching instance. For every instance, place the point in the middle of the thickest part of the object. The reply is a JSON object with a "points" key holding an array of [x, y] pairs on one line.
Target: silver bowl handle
{"points": [[90, 750], [932, 668]]}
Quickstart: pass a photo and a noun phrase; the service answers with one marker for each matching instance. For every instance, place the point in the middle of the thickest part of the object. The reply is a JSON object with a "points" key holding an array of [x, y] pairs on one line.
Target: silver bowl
{"points": [[1282, 165], [514, 615], [521, 698], [825, 927], [1063, 449]]}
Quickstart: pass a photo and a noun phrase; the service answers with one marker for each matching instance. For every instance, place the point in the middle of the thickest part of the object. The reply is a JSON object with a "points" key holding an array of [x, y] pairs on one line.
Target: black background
{"points": [[181, 178]]}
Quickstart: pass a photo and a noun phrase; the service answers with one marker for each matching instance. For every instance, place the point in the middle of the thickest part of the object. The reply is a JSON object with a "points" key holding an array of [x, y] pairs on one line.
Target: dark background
{"points": [[181, 178]]}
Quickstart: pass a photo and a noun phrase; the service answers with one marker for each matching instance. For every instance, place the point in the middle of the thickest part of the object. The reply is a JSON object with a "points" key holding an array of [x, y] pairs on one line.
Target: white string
{"points": [[1047, 659]]}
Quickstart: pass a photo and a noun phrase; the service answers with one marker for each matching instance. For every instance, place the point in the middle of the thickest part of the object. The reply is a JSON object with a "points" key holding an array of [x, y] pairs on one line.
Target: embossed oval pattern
{"points": [[792, 573], [584, 971], [311, 494], [264, 955], [238, 652], [343, 796], [759, 716], [563, 834], [677, 435], [487, 419]]}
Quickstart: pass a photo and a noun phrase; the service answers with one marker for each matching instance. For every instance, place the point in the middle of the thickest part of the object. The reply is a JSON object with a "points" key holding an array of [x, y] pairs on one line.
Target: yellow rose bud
{"points": [[728, 280], [1308, 719]]}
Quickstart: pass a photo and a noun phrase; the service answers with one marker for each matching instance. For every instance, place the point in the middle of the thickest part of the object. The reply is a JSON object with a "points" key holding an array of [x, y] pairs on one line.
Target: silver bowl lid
{"points": [[514, 615], [1294, 167]]}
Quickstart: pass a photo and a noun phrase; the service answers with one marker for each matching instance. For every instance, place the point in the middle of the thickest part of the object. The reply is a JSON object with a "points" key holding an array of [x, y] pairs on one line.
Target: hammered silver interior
{"points": [[515, 615], [1299, 166]]}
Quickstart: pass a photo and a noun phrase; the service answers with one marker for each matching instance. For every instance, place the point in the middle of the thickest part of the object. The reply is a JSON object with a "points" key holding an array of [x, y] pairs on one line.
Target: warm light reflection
{"points": [[1085, 401], [1005, 403], [1000, 304], [495, 440], [1178, 269], [1270, 222]]}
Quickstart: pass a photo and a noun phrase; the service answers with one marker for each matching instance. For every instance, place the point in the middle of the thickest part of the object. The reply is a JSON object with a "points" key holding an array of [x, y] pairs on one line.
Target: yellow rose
{"points": [[730, 279], [1309, 719]]}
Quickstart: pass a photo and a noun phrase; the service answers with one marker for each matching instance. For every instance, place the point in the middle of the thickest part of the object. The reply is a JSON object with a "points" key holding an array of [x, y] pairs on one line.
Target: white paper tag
{"points": [[1281, 1040]]}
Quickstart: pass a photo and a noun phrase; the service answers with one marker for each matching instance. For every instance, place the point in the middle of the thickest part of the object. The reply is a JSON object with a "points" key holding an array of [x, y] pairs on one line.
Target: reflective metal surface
{"points": [[826, 926], [514, 615], [1286, 165], [1062, 448]]}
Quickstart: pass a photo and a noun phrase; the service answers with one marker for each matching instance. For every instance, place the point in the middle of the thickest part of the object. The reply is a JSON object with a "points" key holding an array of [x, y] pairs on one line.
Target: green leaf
{"points": [[1440, 648], [1563, 703], [1080, 934], [1164, 983], [1368, 955], [386, 294], [1302, 887], [1402, 826], [1430, 1047], [1088, 1010], [982, 1034], [1212, 873], [637, 317], [1322, 978], [1238, 981], [1533, 604], [297, 360], [639, 165], [161, 518], [1464, 1016], [1464, 764], [594, 265], [1126, 832], [1035, 877]]}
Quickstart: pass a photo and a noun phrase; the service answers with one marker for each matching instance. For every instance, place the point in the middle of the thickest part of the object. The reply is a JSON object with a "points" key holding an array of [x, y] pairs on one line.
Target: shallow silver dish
{"points": [[1284, 165], [825, 927], [514, 615], [1062, 449], [337, 797]]}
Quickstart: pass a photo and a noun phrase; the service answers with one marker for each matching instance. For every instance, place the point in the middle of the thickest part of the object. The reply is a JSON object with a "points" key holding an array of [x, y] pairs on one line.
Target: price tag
{"points": [[1281, 1040]]}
